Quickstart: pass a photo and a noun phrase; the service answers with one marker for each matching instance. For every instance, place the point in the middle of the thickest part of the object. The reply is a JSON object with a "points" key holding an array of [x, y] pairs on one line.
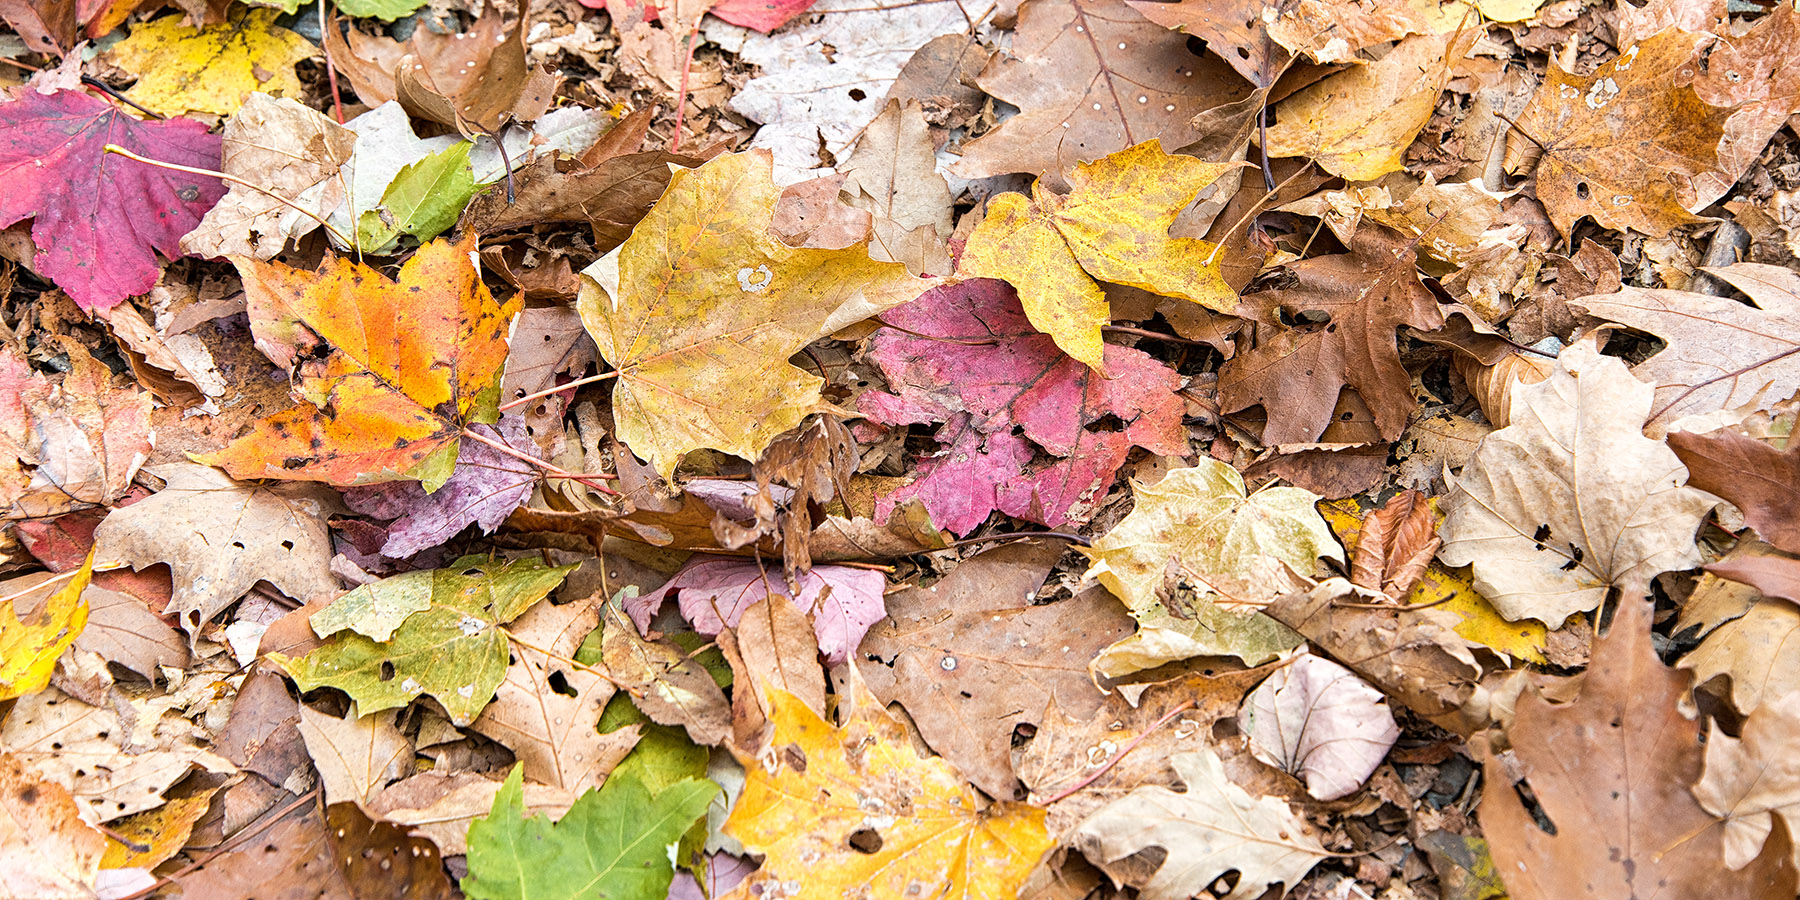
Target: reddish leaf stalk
{"points": [[1184, 707]]}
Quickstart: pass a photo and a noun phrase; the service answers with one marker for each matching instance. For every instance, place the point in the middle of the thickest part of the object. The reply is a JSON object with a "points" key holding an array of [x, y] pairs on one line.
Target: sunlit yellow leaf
{"points": [[29, 647], [214, 69]]}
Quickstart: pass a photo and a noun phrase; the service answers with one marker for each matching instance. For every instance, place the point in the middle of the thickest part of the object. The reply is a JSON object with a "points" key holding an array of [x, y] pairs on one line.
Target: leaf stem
{"points": [[545, 465], [604, 675], [65, 576], [233, 179], [591, 379], [1077, 786]]}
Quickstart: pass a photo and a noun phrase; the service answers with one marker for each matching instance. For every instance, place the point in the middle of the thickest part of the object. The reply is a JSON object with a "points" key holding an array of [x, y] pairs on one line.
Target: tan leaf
{"points": [[669, 686], [1752, 778], [46, 851], [1559, 507], [893, 174], [288, 150], [356, 756], [1759, 651]]}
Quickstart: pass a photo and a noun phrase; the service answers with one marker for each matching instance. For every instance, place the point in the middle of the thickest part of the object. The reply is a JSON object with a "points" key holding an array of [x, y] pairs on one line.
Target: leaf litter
{"points": [[1094, 448]]}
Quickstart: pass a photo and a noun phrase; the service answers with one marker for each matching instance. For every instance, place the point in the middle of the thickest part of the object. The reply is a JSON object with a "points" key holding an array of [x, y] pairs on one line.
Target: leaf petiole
{"points": [[233, 179]]}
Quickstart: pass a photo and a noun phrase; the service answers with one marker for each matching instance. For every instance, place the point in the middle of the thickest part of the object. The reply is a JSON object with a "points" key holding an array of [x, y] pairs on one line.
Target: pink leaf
{"points": [[1316, 720], [99, 218], [713, 593], [983, 371], [759, 15]]}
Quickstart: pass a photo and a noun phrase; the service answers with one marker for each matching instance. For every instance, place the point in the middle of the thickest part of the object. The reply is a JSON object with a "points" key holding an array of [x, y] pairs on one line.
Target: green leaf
{"points": [[452, 649], [385, 10], [613, 843], [422, 201]]}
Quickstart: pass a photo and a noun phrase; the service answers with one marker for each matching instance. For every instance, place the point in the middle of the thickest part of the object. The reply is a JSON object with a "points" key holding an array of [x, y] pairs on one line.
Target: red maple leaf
{"points": [[98, 217], [973, 362]]}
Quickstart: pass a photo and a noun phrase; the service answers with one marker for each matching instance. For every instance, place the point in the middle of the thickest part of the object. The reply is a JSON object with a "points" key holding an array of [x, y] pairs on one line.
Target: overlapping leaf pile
{"points": [[1407, 391]]}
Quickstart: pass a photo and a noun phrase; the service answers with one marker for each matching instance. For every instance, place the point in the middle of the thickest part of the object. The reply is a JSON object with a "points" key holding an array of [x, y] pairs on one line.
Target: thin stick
{"points": [[591, 379], [115, 148], [681, 96], [1184, 707], [1155, 335], [1018, 536], [530, 460], [107, 89], [40, 585], [26, 66], [604, 675], [1256, 209], [932, 337], [337, 102]]}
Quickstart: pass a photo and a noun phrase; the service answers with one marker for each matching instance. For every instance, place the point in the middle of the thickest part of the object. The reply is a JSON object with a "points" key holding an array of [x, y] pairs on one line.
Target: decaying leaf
{"points": [[701, 308], [1572, 500], [356, 756], [667, 684], [184, 70], [69, 445], [1315, 720], [713, 593], [1751, 778], [1759, 651], [46, 850], [1761, 481], [1211, 828], [1112, 225], [260, 142]]}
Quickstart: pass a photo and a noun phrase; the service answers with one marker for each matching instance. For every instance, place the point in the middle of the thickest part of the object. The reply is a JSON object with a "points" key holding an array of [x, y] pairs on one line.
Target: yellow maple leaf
{"points": [[836, 809], [29, 647], [1113, 225], [214, 69], [700, 309]]}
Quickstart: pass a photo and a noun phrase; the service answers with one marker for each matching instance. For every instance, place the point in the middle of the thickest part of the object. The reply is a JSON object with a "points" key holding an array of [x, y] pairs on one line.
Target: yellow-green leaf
{"points": [[211, 70], [29, 647], [1113, 225]]}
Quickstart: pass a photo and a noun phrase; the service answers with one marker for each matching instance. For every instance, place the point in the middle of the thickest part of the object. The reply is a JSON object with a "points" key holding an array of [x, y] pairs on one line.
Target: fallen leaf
{"points": [[1759, 651], [125, 632], [1559, 507], [1611, 772], [1395, 545], [30, 646], [1110, 226], [211, 70], [455, 649], [614, 842], [893, 174], [971, 659], [1722, 355], [259, 141], [99, 219], [611, 196], [1196, 557], [1317, 721], [46, 851], [158, 833], [1762, 482], [1358, 123], [1081, 100], [475, 81], [666, 683], [772, 649], [275, 534], [1234, 32], [758, 15], [424, 199], [483, 489], [1753, 75], [1335, 31], [379, 401], [546, 709], [547, 343], [1623, 144], [327, 852], [713, 594], [1211, 828], [1773, 575], [1750, 779], [828, 806], [700, 310], [1298, 373], [70, 445], [964, 355], [356, 756], [56, 28]]}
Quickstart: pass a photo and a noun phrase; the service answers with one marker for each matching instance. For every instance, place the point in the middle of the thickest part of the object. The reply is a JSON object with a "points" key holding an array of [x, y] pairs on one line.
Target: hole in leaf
{"points": [[865, 840], [387, 671]]}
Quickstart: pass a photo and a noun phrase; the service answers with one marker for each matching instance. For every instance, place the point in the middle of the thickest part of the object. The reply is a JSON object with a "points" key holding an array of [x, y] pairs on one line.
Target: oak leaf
{"points": [[99, 219], [701, 308], [1112, 225], [1194, 547], [856, 805], [389, 372], [211, 70], [1297, 373], [1722, 355], [1211, 828], [30, 646], [1572, 500], [1624, 144], [454, 647], [1081, 99], [1611, 771], [965, 356]]}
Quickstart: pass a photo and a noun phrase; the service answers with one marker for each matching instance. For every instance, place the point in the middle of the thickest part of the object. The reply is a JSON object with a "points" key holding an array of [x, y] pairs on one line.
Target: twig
{"points": [[337, 102], [108, 90], [1184, 707], [932, 337], [1154, 335], [591, 379], [115, 148], [1017, 536], [41, 585], [530, 460], [248, 832], [1256, 209]]}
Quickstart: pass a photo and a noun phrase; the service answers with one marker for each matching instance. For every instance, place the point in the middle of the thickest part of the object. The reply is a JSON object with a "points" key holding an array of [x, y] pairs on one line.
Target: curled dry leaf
{"points": [[1315, 720], [1557, 508], [1396, 545], [667, 684], [475, 81], [69, 445]]}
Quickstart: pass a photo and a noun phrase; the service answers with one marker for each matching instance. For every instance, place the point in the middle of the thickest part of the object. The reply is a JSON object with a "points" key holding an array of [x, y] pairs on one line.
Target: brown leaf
{"points": [[475, 82], [773, 648], [1760, 480], [1773, 576], [69, 445], [356, 755], [46, 851], [1296, 374], [669, 686], [1611, 772], [809, 215], [1235, 31], [337, 855], [1398, 542], [1084, 96], [611, 196], [972, 659]]}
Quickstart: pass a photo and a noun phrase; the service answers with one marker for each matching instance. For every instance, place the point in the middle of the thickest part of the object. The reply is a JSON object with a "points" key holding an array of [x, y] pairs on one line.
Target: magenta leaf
{"points": [[974, 363], [98, 218], [714, 591], [486, 486]]}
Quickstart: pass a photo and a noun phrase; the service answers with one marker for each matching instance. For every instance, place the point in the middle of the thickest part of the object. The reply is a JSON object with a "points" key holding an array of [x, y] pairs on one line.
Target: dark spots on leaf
{"points": [[865, 840], [294, 462], [29, 795], [794, 757]]}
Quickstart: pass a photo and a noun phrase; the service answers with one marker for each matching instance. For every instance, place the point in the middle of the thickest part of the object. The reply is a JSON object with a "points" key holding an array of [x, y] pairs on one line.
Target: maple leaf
{"points": [[1297, 373], [701, 308], [1721, 354], [1751, 778], [1112, 225], [614, 842], [260, 142], [70, 445], [1560, 506], [1081, 99], [389, 372], [965, 355], [275, 534], [333, 851], [1193, 541], [807, 804], [1315, 720], [714, 593], [1622, 145], [436, 632], [1758, 479], [1209, 829], [485, 486], [211, 70], [475, 81], [1359, 123], [46, 850], [1234, 31], [99, 219], [29, 647], [1334, 31], [1611, 771], [1759, 650]]}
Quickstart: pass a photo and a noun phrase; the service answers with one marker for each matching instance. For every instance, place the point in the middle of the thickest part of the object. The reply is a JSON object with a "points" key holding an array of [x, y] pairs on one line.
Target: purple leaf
{"points": [[486, 486], [713, 593]]}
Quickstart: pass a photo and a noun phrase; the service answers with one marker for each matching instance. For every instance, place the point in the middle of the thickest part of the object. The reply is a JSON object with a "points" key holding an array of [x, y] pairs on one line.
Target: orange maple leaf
{"points": [[388, 372]]}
